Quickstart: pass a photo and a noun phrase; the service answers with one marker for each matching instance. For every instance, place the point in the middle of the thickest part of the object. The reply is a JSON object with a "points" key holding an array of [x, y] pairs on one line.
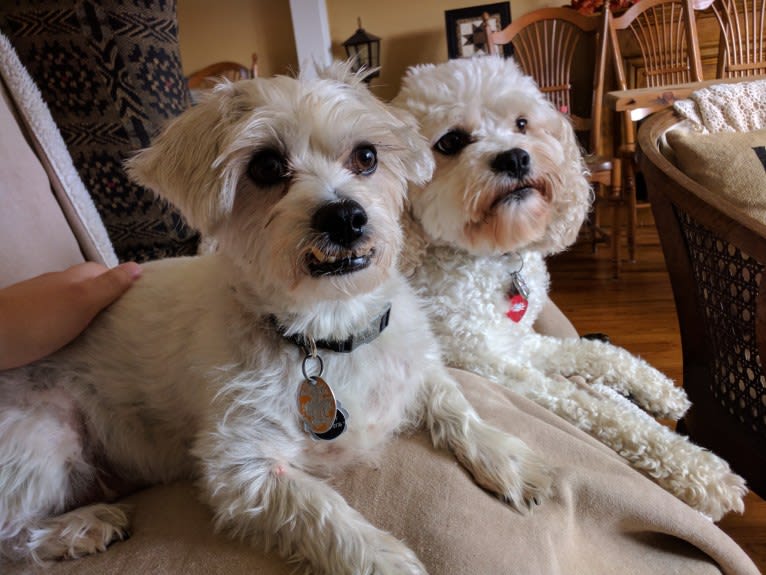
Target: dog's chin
{"points": [[513, 219], [341, 286]]}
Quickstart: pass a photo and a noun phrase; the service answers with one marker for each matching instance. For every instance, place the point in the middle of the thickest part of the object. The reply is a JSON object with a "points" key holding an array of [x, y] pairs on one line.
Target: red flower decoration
{"points": [[590, 7]]}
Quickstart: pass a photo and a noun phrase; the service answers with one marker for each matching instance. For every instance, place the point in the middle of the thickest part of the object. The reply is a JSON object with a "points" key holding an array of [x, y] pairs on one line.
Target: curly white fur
{"points": [[187, 375], [513, 190]]}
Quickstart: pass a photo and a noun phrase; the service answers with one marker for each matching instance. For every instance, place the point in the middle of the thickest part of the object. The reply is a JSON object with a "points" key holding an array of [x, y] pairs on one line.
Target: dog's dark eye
{"points": [[521, 125], [452, 142], [363, 160], [268, 168]]}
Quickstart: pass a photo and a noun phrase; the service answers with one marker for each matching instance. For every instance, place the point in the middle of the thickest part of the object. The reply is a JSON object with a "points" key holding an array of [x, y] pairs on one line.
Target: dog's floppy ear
{"points": [[419, 164], [578, 198], [180, 165]]}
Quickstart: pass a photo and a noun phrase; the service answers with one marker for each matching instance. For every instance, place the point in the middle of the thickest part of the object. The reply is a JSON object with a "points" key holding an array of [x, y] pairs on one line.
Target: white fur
{"points": [[461, 254], [187, 376]]}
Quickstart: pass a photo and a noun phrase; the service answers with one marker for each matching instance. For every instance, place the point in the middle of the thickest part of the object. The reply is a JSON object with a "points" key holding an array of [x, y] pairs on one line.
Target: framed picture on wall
{"points": [[468, 29]]}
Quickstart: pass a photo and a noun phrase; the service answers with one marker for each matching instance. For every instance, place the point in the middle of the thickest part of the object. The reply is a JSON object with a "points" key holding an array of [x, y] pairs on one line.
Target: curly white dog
{"points": [[510, 188], [296, 349]]}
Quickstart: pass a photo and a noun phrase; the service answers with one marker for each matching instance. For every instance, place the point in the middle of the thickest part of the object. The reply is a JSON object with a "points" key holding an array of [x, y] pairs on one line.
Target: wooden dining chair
{"points": [[663, 33], [742, 43], [209, 76], [552, 45]]}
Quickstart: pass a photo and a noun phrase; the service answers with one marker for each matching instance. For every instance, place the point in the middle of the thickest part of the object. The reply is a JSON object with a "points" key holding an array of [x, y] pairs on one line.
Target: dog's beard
{"points": [[508, 223], [485, 217], [506, 218]]}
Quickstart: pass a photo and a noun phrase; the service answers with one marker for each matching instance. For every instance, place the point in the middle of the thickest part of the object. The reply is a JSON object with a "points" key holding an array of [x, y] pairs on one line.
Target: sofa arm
{"points": [[34, 232]]}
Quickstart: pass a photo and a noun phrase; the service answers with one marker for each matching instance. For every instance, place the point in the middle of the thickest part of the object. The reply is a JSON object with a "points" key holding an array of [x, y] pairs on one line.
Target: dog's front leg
{"points": [[629, 375], [498, 461], [265, 501]]}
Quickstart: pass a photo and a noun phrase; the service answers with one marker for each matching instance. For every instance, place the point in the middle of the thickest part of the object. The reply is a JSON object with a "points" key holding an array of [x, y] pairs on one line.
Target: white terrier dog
{"points": [[265, 365], [510, 188]]}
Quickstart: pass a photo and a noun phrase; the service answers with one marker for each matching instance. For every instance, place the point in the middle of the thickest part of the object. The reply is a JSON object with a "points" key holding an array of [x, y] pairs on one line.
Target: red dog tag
{"points": [[519, 306]]}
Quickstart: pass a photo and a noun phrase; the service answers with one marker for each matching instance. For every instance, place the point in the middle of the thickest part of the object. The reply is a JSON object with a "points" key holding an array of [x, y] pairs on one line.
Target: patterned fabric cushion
{"points": [[110, 72]]}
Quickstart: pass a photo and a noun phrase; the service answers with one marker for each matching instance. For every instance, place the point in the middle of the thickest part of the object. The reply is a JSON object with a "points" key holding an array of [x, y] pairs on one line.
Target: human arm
{"points": [[40, 315]]}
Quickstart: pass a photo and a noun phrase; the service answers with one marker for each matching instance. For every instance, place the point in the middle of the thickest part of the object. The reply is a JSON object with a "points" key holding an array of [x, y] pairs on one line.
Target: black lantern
{"points": [[364, 48]]}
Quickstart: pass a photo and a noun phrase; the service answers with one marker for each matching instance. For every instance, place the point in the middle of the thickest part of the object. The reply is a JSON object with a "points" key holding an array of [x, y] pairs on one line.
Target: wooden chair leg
{"points": [[630, 193], [595, 216], [615, 195], [615, 240]]}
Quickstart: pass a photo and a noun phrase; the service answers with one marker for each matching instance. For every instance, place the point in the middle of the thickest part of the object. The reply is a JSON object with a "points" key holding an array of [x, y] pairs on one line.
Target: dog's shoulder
{"points": [[180, 278], [172, 292]]}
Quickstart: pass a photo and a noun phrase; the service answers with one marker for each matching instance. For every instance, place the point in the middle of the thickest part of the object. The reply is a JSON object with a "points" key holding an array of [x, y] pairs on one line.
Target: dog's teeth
{"points": [[318, 254]]}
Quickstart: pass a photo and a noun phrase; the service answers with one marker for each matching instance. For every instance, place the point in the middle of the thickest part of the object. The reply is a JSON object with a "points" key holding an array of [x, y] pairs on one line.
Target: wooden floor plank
{"points": [[638, 313]]}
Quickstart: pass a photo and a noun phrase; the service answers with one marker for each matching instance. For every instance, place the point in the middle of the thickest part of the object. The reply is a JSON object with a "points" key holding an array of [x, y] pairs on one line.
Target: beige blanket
{"points": [[603, 519]]}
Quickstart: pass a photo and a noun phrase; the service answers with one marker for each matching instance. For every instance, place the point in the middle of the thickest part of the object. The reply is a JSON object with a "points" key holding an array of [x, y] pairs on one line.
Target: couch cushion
{"points": [[732, 164]]}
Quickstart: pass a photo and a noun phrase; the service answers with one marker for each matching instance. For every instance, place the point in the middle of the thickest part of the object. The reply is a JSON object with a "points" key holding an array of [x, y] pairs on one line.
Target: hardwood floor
{"points": [[638, 313]]}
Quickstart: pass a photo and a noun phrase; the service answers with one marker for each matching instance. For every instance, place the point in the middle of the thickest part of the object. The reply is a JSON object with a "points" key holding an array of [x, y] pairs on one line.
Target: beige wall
{"points": [[411, 32], [231, 30]]}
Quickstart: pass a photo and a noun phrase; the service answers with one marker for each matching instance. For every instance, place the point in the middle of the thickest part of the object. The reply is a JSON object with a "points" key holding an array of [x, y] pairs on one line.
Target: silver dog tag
{"points": [[317, 405], [519, 286]]}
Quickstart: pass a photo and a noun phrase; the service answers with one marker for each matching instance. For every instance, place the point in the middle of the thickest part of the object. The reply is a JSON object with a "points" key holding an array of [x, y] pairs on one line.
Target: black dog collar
{"points": [[373, 330]]}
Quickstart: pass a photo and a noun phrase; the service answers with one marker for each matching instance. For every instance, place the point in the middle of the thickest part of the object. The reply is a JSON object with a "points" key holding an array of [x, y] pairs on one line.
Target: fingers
{"points": [[109, 285], [40, 315], [84, 271]]}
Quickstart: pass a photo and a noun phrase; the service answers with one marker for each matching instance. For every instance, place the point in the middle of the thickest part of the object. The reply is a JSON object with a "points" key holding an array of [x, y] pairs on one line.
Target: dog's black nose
{"points": [[342, 221], [514, 162]]}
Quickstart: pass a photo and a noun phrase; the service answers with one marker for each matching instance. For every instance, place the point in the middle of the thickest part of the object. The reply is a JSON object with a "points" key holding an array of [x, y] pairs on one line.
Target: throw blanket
{"points": [[604, 517], [726, 108]]}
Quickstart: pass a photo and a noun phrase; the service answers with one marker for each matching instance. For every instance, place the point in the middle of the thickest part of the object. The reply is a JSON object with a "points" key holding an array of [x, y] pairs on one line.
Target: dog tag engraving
{"points": [[317, 405], [518, 296]]}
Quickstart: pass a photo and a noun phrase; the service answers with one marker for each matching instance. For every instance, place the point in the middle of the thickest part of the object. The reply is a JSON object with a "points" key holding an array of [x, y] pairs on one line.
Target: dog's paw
{"points": [[673, 404], [703, 481], [80, 532], [725, 496], [392, 557], [504, 465]]}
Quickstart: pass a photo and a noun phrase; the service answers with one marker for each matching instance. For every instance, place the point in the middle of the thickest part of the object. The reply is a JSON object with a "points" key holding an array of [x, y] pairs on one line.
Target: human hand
{"points": [[40, 315]]}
